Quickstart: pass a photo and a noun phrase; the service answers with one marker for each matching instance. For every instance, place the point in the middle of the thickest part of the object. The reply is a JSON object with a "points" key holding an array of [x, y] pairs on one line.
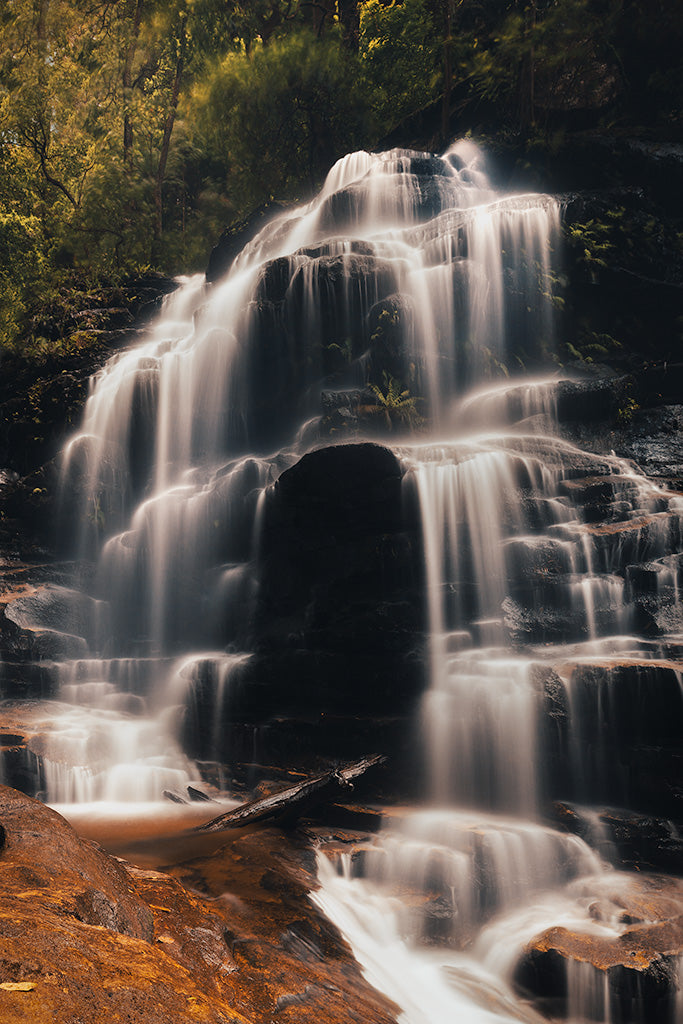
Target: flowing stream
{"points": [[182, 437]]}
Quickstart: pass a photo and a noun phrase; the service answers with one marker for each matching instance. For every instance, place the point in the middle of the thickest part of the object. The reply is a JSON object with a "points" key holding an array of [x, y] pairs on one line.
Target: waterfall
{"points": [[406, 291]]}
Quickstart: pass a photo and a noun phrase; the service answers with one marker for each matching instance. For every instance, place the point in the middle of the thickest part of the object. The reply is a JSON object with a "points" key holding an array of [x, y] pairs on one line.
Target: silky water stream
{"points": [[182, 437]]}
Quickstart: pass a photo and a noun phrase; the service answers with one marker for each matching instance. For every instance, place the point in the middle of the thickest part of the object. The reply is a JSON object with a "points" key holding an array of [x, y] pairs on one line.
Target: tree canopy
{"points": [[133, 131]]}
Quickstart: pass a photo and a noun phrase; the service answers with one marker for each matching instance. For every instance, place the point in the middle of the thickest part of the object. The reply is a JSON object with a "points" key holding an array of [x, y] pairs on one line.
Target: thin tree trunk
{"points": [[166, 145], [286, 806], [349, 17], [527, 85], [42, 10], [127, 82]]}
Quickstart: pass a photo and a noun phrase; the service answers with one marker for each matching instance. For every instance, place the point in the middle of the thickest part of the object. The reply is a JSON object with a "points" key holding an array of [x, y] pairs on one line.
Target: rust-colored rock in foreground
{"points": [[228, 937]]}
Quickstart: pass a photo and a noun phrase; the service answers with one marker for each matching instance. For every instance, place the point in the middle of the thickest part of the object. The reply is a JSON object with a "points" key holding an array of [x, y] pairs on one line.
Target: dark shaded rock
{"points": [[197, 795], [624, 837], [390, 323], [334, 546], [338, 627], [614, 734], [235, 237], [308, 326], [174, 798], [597, 397], [55, 608]]}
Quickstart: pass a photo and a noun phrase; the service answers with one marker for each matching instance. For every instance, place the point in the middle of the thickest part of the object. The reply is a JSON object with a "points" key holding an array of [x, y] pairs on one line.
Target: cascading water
{"points": [[526, 596]]}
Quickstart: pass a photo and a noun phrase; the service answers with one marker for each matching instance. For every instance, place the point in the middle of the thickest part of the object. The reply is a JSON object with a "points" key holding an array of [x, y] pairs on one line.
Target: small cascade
{"points": [[588, 995], [469, 867]]}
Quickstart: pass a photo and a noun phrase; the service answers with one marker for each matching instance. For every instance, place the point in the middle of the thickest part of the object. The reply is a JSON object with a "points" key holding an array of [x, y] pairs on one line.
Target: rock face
{"points": [[84, 936], [629, 975], [339, 619], [74, 928]]}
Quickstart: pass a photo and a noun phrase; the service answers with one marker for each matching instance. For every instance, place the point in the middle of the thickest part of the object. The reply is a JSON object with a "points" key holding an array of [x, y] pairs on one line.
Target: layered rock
{"points": [[337, 633]]}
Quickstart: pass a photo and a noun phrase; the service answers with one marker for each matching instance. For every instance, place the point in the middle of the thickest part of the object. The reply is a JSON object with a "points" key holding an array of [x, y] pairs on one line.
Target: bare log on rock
{"points": [[289, 804]]}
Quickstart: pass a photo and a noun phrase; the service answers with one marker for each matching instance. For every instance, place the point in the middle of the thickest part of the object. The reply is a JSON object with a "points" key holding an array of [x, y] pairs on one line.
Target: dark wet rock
{"points": [[45, 624], [337, 636], [174, 798], [198, 795], [235, 237], [390, 325], [628, 541], [308, 327], [541, 623], [614, 736], [56, 608], [624, 837], [343, 209]]}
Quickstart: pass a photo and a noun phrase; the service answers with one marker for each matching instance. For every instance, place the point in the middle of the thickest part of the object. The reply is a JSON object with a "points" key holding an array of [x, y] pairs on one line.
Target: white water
{"points": [[181, 439]]}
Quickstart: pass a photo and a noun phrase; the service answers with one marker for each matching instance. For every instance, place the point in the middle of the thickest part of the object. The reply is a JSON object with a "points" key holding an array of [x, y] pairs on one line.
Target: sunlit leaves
{"points": [[281, 114], [399, 49]]}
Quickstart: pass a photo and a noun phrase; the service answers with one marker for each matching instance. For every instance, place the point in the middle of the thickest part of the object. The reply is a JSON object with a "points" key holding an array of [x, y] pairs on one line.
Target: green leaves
{"points": [[396, 402], [400, 54], [280, 115]]}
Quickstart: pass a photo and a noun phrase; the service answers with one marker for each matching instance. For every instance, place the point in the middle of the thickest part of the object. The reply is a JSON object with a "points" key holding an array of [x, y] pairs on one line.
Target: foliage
{"points": [[133, 131], [399, 50], [551, 52], [593, 240], [283, 112], [22, 265], [396, 402]]}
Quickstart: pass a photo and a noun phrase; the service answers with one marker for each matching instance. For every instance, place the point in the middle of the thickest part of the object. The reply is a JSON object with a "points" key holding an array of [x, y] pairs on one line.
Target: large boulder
{"points": [[338, 634]]}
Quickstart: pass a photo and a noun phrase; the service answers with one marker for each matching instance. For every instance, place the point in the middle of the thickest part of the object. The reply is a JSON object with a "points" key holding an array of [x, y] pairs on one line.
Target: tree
{"points": [[399, 51], [282, 113], [546, 54]]}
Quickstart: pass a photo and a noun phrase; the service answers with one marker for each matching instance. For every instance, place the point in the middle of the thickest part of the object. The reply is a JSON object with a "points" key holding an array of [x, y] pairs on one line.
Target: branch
{"points": [[289, 804], [39, 145]]}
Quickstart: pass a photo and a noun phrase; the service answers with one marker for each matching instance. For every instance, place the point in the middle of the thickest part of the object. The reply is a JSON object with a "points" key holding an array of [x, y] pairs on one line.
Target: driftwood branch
{"points": [[289, 804]]}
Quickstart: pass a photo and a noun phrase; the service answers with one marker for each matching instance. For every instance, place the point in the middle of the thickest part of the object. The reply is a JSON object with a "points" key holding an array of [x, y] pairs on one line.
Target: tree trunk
{"points": [[42, 10], [527, 85], [289, 804], [166, 145], [127, 82], [349, 17]]}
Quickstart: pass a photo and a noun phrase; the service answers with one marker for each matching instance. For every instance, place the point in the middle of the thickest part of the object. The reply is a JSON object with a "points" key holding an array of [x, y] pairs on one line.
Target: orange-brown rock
{"points": [[293, 965], [230, 937], [639, 959]]}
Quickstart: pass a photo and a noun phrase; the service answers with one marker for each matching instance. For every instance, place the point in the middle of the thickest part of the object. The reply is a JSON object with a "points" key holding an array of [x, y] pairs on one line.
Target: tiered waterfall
{"points": [[411, 273]]}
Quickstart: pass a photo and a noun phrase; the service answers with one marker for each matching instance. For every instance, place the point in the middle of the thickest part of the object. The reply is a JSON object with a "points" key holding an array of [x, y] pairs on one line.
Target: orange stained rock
{"points": [[229, 938], [652, 914]]}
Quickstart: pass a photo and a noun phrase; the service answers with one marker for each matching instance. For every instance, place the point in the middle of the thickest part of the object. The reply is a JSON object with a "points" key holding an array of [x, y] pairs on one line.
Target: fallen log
{"points": [[289, 804]]}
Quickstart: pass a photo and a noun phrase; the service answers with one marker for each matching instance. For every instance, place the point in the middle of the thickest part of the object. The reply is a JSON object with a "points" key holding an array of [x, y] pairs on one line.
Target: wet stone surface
{"points": [[220, 936]]}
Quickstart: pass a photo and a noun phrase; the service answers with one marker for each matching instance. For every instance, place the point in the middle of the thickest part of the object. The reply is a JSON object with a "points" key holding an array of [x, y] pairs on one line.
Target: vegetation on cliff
{"points": [[132, 132]]}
